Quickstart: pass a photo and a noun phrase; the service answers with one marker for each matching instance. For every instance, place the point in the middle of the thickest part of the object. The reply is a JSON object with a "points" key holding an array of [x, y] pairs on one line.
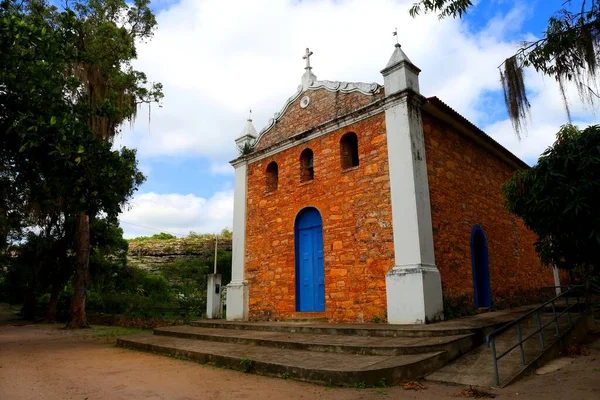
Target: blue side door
{"points": [[309, 262], [481, 268]]}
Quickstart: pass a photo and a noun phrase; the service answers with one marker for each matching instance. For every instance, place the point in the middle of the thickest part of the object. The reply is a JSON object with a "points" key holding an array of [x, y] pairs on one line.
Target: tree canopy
{"points": [[66, 85], [558, 199], [567, 51]]}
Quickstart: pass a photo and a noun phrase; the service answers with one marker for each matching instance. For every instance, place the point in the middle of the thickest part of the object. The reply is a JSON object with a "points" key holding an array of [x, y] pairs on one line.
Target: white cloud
{"points": [[223, 168], [547, 116], [150, 213], [217, 58]]}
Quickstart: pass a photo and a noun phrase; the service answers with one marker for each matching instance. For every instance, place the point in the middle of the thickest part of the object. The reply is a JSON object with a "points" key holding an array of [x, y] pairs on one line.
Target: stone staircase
{"points": [[476, 368], [335, 354]]}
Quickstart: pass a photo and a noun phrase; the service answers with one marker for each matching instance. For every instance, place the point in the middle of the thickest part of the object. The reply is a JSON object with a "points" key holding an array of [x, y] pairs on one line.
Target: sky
{"points": [[219, 58]]}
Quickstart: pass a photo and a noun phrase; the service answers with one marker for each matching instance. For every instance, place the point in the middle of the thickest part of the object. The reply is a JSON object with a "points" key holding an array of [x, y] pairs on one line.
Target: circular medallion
{"points": [[304, 102]]}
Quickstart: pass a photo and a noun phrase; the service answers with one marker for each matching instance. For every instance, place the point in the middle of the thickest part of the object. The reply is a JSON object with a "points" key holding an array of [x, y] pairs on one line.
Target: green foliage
{"points": [[101, 331], [360, 385], [157, 236], [141, 294], [66, 86], [246, 149], [444, 8], [382, 383], [224, 234], [46, 259], [558, 199], [247, 365], [458, 306], [568, 52]]}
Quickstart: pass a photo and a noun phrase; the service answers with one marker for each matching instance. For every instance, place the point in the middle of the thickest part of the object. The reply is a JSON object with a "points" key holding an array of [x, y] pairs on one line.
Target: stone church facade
{"points": [[361, 202]]}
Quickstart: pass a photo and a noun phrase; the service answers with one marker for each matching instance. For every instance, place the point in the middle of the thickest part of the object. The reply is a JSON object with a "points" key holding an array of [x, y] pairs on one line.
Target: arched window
{"points": [[272, 176], [307, 172], [349, 150]]}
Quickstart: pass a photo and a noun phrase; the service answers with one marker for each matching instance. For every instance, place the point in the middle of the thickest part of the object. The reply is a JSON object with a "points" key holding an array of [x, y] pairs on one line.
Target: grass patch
{"points": [[247, 365], [9, 310], [101, 331]]}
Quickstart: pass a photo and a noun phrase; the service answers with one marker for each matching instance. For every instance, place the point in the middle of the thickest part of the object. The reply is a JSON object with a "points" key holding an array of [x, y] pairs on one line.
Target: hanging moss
{"points": [[515, 96]]}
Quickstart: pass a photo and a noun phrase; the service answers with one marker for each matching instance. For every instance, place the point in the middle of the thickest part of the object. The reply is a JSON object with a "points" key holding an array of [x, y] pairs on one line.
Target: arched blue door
{"points": [[310, 275], [481, 268]]}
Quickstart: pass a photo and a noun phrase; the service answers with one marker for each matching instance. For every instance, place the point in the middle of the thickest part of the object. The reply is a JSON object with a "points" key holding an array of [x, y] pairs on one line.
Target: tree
{"points": [[568, 52], [558, 200], [53, 158], [111, 91]]}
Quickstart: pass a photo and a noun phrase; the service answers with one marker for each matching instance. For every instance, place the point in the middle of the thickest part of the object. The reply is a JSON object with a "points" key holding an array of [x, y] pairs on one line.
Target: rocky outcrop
{"points": [[151, 254]]}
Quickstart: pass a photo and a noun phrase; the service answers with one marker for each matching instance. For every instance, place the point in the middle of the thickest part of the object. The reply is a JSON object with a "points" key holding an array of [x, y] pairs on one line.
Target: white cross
{"points": [[307, 58]]}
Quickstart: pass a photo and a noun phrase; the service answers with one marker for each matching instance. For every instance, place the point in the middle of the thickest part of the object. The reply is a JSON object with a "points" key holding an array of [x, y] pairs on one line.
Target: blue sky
{"points": [[218, 58]]}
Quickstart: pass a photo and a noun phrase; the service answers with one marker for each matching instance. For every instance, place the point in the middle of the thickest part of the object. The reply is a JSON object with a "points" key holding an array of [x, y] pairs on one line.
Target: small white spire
{"points": [[249, 129], [248, 135], [398, 56], [400, 73]]}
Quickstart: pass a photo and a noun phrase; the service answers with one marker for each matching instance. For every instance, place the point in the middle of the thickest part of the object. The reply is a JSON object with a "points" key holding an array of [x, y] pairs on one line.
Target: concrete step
{"points": [[476, 368], [320, 367], [367, 329], [454, 345]]}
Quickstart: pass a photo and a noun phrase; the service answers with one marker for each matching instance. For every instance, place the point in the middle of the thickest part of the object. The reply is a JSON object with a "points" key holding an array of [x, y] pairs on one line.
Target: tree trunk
{"points": [[78, 317], [28, 310], [587, 287], [51, 313]]}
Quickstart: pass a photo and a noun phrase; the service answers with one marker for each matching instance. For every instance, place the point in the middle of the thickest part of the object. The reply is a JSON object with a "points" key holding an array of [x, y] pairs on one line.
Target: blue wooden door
{"points": [[310, 272], [481, 268]]}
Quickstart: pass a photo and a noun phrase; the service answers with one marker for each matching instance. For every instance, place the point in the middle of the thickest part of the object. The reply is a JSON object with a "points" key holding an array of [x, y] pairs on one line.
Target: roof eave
{"points": [[444, 112]]}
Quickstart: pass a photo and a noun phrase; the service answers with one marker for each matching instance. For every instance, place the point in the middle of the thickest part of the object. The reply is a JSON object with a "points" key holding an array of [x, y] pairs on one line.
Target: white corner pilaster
{"points": [[413, 285], [237, 289]]}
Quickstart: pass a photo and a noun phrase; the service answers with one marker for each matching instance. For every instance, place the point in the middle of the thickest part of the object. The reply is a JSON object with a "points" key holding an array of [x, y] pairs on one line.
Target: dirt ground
{"points": [[46, 362]]}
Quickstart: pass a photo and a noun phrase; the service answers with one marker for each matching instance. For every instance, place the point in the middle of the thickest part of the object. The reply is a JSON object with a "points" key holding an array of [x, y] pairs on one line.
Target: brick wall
{"points": [[465, 182], [357, 229], [323, 106]]}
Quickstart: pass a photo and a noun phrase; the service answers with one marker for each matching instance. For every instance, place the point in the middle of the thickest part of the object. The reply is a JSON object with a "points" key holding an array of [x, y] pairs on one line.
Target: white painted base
{"points": [[414, 294], [214, 307], [556, 281], [237, 301]]}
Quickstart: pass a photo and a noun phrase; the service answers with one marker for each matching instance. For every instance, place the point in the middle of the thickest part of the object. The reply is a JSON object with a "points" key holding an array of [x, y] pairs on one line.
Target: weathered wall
{"points": [[151, 254], [324, 105], [357, 226], [465, 182]]}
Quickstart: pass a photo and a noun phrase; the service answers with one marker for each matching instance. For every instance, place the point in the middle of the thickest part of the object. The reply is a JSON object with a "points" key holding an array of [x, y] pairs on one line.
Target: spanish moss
{"points": [[515, 96]]}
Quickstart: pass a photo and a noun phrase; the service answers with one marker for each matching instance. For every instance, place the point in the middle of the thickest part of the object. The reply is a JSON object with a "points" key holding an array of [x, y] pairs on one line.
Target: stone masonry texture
{"points": [[465, 186], [323, 106], [465, 182]]}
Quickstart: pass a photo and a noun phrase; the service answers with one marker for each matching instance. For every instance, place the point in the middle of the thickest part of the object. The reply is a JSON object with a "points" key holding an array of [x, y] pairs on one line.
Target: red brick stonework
{"points": [[357, 227], [465, 181], [323, 106]]}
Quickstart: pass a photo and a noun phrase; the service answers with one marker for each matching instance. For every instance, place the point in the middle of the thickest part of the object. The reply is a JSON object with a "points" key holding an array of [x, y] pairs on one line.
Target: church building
{"points": [[360, 202]]}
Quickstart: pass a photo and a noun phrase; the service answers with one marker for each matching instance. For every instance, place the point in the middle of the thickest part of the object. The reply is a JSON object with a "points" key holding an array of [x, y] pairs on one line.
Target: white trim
{"points": [[368, 89], [324, 128], [237, 296], [556, 275]]}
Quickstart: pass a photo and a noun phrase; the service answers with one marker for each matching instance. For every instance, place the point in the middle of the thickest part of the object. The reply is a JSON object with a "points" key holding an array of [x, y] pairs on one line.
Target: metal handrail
{"points": [[491, 337]]}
